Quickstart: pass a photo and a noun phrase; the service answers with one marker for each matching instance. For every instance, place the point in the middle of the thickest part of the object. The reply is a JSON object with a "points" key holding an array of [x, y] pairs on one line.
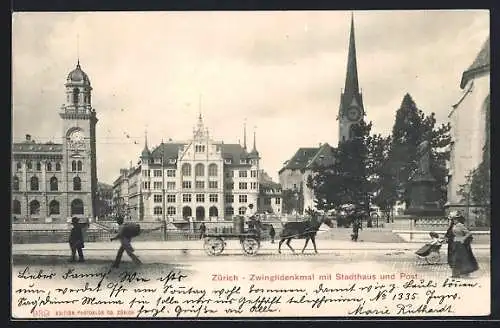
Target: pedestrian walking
{"points": [[463, 261], [272, 233], [76, 243], [356, 216], [125, 234], [203, 230]]}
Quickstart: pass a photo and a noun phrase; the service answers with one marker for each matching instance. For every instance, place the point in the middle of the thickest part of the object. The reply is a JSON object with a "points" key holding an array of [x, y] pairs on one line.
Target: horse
{"points": [[303, 229]]}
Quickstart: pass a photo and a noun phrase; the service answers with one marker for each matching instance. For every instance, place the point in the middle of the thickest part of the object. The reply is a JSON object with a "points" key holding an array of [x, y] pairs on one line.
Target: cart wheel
{"points": [[433, 258], [214, 246], [250, 246]]}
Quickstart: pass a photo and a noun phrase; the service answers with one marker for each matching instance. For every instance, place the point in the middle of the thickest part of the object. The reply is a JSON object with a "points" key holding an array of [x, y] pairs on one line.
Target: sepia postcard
{"points": [[253, 164]]}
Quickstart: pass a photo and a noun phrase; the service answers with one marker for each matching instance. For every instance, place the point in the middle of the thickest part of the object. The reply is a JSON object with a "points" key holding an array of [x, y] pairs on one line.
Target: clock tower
{"points": [[351, 109], [79, 146]]}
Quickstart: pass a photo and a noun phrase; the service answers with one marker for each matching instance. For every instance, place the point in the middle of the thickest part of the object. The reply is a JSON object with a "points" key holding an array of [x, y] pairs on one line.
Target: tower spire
{"points": [[351, 79], [145, 139], [78, 50], [245, 134], [254, 143]]}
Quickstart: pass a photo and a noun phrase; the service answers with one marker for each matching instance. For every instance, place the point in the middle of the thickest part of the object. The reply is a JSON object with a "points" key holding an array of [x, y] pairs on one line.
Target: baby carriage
{"points": [[430, 252]]}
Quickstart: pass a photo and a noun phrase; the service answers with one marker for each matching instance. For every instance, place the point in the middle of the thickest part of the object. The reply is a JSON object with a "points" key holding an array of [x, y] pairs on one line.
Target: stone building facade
{"points": [[52, 182]]}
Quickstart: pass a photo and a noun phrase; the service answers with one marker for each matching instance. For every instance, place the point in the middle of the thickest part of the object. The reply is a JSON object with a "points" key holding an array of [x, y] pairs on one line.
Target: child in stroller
{"points": [[431, 251]]}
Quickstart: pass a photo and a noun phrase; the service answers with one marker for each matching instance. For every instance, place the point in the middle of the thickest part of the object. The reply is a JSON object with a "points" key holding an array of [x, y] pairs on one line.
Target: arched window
{"points": [[212, 170], [38, 166], [157, 210], [73, 166], [34, 183], [29, 165], [53, 184], [54, 207], [242, 210], [19, 166], [76, 93], [77, 183], [49, 166], [199, 170], [186, 170], [79, 166], [77, 207], [15, 183], [186, 212], [200, 213], [171, 210], [16, 207], [213, 212], [58, 166], [229, 210], [34, 207]]}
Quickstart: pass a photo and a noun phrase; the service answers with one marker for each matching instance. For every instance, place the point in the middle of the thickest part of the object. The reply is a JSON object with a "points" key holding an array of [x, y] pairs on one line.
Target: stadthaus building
{"points": [[201, 180]]}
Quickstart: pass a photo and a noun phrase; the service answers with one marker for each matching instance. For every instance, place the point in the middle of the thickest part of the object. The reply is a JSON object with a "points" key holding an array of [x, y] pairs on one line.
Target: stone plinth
{"points": [[423, 198]]}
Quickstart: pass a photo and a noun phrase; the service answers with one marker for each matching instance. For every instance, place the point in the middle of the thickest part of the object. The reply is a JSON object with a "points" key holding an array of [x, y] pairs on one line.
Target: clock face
{"points": [[353, 114], [77, 137]]}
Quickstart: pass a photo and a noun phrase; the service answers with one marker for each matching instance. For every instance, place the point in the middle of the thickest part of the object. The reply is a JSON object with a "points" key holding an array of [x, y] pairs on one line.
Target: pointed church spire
{"points": [[351, 79], [77, 50], [145, 151]]}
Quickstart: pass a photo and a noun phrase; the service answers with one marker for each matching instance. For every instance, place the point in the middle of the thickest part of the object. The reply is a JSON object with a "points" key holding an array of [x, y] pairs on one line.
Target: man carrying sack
{"points": [[125, 234]]}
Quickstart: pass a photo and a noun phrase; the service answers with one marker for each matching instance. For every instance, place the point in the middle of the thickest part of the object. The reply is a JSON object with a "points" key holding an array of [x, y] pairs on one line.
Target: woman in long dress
{"points": [[462, 259]]}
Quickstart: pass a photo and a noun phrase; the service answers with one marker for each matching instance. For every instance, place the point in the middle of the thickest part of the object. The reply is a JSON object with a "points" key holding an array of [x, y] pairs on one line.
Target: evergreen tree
{"points": [[346, 180], [410, 127]]}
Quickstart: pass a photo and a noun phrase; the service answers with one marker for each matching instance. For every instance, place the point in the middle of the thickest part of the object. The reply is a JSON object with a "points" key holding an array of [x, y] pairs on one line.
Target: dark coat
{"points": [[76, 236], [450, 239]]}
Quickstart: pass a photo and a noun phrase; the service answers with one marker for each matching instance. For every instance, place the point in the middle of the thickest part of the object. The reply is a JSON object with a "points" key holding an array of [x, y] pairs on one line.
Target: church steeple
{"points": [[145, 152], [351, 79], [351, 109]]}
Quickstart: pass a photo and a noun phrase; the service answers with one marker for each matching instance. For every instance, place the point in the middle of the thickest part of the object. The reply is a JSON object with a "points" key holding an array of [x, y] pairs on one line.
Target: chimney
{"points": [[28, 137]]}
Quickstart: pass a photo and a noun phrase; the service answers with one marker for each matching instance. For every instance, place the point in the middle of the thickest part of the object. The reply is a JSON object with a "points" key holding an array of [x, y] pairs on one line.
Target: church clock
{"points": [[76, 138], [353, 114]]}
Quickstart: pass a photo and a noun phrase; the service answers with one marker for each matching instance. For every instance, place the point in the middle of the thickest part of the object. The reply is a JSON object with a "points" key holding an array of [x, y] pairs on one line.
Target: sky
{"points": [[281, 72]]}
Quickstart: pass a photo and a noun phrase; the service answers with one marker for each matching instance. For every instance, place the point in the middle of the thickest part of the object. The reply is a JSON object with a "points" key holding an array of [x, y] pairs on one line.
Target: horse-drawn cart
{"points": [[214, 244]]}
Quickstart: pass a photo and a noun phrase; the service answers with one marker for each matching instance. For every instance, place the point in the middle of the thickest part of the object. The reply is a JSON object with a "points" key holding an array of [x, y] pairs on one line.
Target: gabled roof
{"points": [[235, 152], [300, 159], [480, 65], [324, 156]]}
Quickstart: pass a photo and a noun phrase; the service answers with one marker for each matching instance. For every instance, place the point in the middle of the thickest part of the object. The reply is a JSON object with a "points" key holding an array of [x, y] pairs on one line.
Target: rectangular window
{"points": [[278, 200], [267, 201], [146, 185], [157, 173], [229, 199], [158, 198], [214, 198], [230, 185], [186, 184], [170, 185], [170, 198], [253, 185], [145, 173], [199, 184], [199, 148], [157, 185], [186, 198], [242, 198], [243, 185], [200, 198], [254, 174], [158, 210], [212, 184], [170, 173], [243, 174]]}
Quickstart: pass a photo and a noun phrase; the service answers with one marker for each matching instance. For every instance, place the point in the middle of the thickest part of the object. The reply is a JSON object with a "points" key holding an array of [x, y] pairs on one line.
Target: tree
{"points": [[410, 127], [347, 179]]}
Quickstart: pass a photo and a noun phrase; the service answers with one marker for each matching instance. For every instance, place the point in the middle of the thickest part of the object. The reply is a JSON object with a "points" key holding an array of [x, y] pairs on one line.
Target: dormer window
{"points": [[228, 161]]}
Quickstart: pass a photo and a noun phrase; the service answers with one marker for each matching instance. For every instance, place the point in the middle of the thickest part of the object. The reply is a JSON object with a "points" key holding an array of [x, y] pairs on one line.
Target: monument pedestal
{"points": [[423, 198]]}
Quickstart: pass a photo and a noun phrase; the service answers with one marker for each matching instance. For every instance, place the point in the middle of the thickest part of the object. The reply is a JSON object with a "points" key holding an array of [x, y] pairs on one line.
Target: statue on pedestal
{"points": [[424, 153]]}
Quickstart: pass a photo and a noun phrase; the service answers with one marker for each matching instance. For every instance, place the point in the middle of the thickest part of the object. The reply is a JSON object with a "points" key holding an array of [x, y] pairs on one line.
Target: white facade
{"points": [[468, 126], [200, 180]]}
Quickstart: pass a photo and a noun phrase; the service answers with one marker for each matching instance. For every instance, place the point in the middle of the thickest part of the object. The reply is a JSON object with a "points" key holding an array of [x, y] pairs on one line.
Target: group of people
{"points": [[77, 244]]}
